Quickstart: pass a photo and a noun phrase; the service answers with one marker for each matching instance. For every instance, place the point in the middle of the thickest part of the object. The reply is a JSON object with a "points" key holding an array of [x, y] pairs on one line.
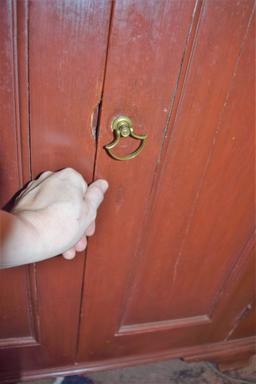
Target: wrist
{"points": [[20, 243], [32, 237]]}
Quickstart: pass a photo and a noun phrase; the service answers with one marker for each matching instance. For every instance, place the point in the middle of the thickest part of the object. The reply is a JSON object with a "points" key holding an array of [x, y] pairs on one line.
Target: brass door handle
{"points": [[122, 127]]}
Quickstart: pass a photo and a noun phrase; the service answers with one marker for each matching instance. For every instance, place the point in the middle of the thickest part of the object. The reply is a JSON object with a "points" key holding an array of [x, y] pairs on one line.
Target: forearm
{"points": [[18, 241]]}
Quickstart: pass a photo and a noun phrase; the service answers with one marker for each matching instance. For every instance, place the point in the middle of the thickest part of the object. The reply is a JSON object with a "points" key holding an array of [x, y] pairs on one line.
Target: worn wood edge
{"points": [[238, 363], [213, 352], [236, 358], [165, 325], [18, 342]]}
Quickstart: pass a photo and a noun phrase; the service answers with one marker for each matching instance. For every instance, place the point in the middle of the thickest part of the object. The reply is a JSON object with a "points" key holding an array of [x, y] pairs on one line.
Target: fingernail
{"points": [[104, 185]]}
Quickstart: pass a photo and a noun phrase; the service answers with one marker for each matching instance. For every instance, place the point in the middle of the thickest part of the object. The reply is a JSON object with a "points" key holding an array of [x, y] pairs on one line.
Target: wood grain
{"points": [[17, 319], [219, 352], [170, 272], [52, 59], [9, 171], [141, 85], [179, 216]]}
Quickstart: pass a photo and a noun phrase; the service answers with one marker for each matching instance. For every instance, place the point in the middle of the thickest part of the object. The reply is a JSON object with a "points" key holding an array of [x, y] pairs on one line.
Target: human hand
{"points": [[61, 208]]}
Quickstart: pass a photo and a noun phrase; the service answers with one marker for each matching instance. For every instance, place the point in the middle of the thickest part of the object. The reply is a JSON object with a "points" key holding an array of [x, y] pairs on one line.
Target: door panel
{"points": [[65, 89], [201, 225], [178, 217], [59, 57], [141, 85], [17, 321]]}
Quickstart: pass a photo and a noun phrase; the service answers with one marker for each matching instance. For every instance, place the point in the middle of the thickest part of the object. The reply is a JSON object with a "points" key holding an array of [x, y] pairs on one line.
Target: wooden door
{"points": [[171, 266], [170, 269], [51, 86]]}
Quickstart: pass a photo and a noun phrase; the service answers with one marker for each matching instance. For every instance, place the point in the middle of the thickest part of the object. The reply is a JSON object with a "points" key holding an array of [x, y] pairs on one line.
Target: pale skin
{"points": [[54, 215]]}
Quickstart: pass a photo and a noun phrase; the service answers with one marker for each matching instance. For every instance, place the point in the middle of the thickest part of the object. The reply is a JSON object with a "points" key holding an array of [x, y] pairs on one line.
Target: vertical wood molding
{"points": [[22, 44], [19, 32]]}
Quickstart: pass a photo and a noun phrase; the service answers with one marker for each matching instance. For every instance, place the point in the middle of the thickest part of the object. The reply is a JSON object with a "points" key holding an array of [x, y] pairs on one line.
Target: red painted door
{"points": [[170, 269], [51, 85], [176, 229]]}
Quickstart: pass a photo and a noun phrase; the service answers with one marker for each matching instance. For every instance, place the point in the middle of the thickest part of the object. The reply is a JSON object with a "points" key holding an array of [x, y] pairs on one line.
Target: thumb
{"points": [[95, 193], [101, 184], [92, 199]]}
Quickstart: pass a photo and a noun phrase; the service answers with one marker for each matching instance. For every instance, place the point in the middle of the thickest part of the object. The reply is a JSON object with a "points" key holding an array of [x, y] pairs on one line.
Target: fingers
{"points": [[81, 245], [44, 176], [34, 183], [74, 177], [91, 229], [40, 179], [70, 254]]}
